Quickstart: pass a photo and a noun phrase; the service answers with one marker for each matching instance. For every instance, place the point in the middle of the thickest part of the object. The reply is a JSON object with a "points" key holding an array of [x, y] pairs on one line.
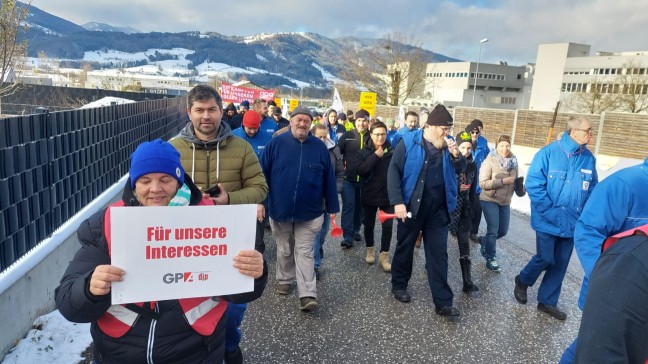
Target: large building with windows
{"points": [[498, 86], [567, 72]]}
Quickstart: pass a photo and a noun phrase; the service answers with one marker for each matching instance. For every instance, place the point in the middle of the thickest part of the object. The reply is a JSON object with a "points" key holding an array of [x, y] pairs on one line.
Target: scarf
{"points": [[182, 197], [506, 163]]}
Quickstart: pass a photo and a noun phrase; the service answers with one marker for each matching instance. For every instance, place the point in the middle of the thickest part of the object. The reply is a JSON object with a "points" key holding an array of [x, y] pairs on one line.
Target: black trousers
{"points": [[477, 215], [435, 244], [463, 234], [370, 224]]}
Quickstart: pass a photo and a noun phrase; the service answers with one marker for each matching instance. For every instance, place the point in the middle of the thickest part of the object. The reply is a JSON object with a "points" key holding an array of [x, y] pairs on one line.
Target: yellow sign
{"points": [[278, 102], [368, 102], [293, 104]]}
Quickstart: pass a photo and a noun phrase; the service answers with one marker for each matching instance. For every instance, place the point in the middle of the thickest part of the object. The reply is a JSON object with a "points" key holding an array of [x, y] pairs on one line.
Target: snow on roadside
{"points": [[53, 340]]}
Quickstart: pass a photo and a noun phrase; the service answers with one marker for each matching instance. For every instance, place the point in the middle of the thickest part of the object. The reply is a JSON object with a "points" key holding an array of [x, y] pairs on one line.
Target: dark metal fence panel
{"points": [[53, 164]]}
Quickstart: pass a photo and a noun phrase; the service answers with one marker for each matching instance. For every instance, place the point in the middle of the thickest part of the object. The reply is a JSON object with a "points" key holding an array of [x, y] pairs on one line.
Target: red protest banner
{"points": [[236, 94]]}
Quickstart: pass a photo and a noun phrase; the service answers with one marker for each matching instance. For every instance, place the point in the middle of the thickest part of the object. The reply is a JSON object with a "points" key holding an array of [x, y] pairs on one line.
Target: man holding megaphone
{"points": [[422, 182]]}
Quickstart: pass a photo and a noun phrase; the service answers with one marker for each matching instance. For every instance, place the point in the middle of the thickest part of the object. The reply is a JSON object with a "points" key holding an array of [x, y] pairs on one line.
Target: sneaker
{"points": [[520, 290], [357, 237], [307, 303], [234, 357], [283, 289], [346, 244], [492, 265], [473, 237], [553, 311]]}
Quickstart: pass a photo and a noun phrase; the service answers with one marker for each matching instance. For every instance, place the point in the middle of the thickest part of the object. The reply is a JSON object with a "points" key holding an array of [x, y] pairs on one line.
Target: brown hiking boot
{"points": [[383, 262], [419, 240], [371, 255]]}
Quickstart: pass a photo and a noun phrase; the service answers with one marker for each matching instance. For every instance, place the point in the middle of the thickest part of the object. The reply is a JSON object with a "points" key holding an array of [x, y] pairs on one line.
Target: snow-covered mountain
{"points": [[103, 27]]}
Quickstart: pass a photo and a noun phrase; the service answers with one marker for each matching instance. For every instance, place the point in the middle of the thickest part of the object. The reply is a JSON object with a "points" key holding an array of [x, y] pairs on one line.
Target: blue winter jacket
{"points": [[299, 175], [559, 182], [479, 153], [400, 134], [618, 203], [258, 141], [409, 173], [268, 126]]}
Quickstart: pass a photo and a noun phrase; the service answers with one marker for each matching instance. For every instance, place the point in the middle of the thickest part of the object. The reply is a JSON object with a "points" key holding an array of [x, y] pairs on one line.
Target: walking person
{"points": [[373, 163], [217, 160], [167, 331], [480, 151], [422, 179], [460, 220], [496, 178], [321, 132], [561, 178], [350, 144], [300, 176]]}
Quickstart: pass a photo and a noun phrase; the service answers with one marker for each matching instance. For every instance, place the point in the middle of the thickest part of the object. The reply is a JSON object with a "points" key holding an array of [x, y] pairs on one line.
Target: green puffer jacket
{"points": [[227, 160]]}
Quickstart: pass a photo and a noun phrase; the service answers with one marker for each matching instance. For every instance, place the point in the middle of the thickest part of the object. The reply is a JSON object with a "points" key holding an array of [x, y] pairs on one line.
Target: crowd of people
{"points": [[430, 182]]}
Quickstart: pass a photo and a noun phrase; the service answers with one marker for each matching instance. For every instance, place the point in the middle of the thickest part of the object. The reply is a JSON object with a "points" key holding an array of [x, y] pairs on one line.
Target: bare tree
{"points": [[598, 96], [13, 50], [633, 87], [394, 70]]}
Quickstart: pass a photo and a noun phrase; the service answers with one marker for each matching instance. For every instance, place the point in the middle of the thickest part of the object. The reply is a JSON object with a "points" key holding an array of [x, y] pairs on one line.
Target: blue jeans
{"points": [[235, 313], [319, 240], [351, 209], [497, 223], [552, 257]]}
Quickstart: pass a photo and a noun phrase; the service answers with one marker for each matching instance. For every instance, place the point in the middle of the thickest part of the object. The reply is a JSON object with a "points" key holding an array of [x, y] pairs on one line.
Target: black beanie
{"points": [[439, 117], [463, 137]]}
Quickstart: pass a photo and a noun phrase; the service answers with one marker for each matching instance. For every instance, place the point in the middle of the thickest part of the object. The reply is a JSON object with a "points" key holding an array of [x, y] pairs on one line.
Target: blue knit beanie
{"points": [[157, 156]]}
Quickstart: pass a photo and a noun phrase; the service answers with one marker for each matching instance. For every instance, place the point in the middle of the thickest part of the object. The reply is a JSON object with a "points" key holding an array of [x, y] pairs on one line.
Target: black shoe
{"points": [[357, 237], [553, 311], [235, 357], [402, 295], [473, 237], [520, 290], [346, 244], [447, 311]]}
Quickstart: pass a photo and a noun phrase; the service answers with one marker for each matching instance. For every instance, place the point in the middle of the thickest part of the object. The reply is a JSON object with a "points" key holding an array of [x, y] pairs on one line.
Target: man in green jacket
{"points": [[214, 157]]}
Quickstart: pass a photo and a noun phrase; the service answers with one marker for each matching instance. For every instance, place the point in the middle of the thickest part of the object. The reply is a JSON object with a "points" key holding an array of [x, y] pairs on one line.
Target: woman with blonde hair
{"points": [[497, 179]]}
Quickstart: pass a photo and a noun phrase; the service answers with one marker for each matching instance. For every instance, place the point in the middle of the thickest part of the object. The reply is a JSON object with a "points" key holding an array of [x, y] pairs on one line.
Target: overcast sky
{"points": [[453, 28]]}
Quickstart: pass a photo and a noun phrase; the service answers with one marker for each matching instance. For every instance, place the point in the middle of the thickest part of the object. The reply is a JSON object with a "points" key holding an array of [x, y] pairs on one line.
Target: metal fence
{"points": [[53, 164]]}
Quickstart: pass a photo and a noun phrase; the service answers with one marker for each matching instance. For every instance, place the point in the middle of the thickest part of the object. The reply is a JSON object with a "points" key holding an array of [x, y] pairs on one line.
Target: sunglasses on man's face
{"points": [[475, 132]]}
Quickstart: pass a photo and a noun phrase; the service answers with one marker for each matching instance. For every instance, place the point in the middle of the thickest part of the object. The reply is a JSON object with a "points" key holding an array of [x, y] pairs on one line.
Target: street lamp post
{"points": [[481, 43]]}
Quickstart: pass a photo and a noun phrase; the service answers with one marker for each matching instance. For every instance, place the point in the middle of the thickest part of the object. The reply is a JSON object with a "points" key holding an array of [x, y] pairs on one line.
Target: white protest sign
{"points": [[180, 252]]}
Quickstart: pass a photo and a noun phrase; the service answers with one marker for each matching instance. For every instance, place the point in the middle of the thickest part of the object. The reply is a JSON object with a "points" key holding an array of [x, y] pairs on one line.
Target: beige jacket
{"points": [[490, 181]]}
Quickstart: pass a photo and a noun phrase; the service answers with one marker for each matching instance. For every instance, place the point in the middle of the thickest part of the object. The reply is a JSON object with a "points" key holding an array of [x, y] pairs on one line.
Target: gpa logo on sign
{"points": [[185, 277]]}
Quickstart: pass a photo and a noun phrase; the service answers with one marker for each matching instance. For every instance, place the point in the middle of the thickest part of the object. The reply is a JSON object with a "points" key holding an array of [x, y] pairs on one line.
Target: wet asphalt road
{"points": [[359, 321]]}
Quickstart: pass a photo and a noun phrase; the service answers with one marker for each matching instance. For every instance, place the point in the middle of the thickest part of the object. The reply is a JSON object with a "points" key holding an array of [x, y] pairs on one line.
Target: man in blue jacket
{"points": [[249, 131], [268, 124], [422, 179], [300, 176], [559, 182], [618, 203]]}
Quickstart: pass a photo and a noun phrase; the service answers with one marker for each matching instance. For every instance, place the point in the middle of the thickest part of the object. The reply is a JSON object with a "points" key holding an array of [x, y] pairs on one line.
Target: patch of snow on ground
{"points": [[107, 101], [54, 340]]}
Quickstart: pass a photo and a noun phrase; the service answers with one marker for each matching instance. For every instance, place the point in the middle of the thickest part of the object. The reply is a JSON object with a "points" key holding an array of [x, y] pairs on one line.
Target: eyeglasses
{"points": [[475, 132], [587, 131], [379, 134], [445, 129]]}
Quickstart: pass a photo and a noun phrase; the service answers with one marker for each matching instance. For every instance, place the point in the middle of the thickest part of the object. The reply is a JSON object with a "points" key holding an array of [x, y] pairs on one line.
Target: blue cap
{"points": [[157, 156]]}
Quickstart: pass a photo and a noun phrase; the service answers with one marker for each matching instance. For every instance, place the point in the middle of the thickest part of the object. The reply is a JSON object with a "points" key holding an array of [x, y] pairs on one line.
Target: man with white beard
{"points": [[422, 182]]}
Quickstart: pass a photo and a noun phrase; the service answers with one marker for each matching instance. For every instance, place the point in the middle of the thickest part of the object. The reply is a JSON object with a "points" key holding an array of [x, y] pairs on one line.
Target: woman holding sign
{"points": [[170, 331]]}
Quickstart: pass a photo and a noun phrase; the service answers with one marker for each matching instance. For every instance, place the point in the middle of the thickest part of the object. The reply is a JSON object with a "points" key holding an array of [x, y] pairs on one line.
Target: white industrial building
{"points": [[564, 69], [498, 86]]}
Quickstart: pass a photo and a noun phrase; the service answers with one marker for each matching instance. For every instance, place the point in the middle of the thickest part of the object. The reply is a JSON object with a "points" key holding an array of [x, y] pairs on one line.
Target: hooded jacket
{"points": [[227, 159], [160, 333]]}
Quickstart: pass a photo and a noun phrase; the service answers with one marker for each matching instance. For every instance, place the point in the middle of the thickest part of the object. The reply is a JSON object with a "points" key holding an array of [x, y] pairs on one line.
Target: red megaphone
{"points": [[336, 232], [382, 216]]}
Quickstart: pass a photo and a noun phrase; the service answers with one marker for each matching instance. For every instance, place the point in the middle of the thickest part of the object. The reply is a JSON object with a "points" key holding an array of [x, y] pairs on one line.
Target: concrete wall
{"points": [[27, 287]]}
